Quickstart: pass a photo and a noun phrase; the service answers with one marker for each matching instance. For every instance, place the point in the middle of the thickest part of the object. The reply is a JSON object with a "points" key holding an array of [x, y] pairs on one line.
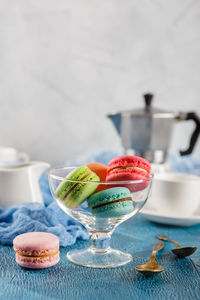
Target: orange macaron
{"points": [[101, 171]]}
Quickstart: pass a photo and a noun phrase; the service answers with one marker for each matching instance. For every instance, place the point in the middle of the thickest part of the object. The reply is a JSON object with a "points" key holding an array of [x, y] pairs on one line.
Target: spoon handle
{"points": [[158, 246], [166, 238]]}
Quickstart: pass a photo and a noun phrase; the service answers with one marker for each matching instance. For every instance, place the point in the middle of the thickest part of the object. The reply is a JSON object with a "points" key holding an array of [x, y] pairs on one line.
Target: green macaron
{"points": [[113, 202], [74, 190]]}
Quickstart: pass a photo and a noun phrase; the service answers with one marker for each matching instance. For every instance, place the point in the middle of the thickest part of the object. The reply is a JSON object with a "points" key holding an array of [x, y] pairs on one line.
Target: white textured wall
{"points": [[65, 64]]}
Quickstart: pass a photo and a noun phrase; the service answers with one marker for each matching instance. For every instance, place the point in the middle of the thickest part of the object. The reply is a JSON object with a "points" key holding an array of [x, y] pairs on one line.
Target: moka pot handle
{"points": [[194, 117]]}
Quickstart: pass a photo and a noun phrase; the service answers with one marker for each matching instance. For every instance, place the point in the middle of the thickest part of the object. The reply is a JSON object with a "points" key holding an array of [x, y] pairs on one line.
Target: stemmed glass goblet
{"points": [[100, 228]]}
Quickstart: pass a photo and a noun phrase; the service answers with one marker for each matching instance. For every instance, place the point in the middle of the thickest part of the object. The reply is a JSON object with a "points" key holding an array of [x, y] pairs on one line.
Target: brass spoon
{"points": [[178, 251], [151, 267]]}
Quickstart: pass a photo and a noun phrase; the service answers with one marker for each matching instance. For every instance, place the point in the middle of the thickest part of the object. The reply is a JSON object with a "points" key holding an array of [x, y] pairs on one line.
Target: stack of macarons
{"points": [[106, 199]]}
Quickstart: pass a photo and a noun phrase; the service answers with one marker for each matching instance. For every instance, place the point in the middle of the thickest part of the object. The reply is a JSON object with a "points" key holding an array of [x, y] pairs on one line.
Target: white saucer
{"points": [[150, 213]]}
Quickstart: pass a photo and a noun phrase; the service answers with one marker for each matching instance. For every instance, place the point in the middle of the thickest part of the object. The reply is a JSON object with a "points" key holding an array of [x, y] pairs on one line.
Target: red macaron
{"points": [[128, 167]]}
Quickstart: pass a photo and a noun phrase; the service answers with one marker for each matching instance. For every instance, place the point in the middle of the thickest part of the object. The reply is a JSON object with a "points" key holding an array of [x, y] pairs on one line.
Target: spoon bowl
{"points": [[151, 267], [183, 252], [148, 269], [179, 251]]}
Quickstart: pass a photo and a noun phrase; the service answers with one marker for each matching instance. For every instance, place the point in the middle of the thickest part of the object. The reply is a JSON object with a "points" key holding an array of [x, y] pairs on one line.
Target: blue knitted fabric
{"points": [[48, 217]]}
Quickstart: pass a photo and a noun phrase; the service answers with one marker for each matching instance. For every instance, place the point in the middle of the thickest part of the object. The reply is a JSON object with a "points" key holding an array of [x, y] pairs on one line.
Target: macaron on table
{"points": [[101, 197], [36, 250]]}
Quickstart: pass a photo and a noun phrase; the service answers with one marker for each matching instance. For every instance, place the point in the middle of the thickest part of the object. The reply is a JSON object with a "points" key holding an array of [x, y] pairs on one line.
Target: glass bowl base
{"points": [[107, 259]]}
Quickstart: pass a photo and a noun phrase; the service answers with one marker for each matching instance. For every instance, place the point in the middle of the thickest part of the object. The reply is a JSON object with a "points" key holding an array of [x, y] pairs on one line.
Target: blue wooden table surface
{"points": [[180, 280]]}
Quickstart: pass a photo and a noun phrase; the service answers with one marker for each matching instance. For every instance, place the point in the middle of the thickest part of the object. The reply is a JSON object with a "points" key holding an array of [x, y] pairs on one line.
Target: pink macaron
{"points": [[128, 167], [36, 250]]}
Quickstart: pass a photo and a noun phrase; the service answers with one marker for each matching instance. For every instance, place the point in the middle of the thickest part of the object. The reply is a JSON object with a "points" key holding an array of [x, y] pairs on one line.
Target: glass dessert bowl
{"points": [[100, 206]]}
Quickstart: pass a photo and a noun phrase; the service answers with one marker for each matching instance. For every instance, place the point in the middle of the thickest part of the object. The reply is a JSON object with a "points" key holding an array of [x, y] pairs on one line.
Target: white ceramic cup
{"points": [[176, 194], [9, 155]]}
